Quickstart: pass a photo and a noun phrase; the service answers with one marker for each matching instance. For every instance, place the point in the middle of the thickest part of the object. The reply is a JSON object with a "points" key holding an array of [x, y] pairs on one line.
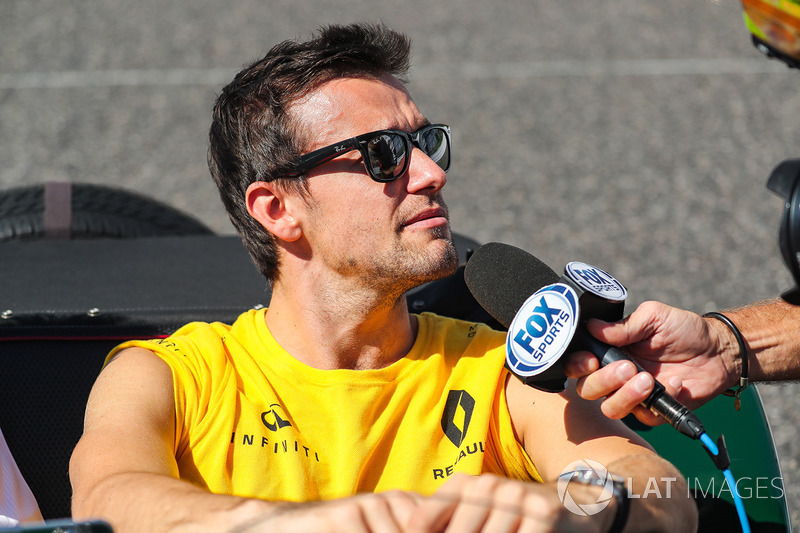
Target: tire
{"points": [[96, 211]]}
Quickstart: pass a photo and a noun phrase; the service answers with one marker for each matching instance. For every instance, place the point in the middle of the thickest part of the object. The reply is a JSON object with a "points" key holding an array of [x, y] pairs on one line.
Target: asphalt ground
{"points": [[633, 135]]}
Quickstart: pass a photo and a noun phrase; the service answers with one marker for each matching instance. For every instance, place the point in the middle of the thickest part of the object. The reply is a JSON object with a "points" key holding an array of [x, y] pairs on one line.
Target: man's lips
{"points": [[434, 216]]}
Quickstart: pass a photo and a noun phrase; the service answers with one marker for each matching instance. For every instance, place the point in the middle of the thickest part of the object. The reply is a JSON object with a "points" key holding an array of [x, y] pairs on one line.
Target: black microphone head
{"points": [[501, 277]]}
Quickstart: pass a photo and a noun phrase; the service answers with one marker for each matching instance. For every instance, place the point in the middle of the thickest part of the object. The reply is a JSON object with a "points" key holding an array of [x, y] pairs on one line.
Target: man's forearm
{"points": [[659, 498], [771, 330], [140, 501], [137, 501]]}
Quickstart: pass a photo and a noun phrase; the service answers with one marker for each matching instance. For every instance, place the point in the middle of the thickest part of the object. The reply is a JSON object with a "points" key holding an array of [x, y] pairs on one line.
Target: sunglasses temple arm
{"points": [[323, 155]]}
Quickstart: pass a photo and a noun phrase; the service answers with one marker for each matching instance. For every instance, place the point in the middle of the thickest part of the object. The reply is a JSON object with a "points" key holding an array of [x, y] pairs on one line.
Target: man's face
{"points": [[393, 234]]}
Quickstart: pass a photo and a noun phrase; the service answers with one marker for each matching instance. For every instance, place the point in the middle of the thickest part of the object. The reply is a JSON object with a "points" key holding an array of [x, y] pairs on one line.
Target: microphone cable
{"points": [[719, 454]]}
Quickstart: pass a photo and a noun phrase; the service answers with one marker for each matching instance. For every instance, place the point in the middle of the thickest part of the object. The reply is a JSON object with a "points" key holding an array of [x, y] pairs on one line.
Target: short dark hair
{"points": [[252, 136]]}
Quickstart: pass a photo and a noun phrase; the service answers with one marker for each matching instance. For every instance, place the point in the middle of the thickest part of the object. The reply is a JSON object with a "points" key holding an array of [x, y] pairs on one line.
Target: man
{"points": [[335, 409], [695, 358]]}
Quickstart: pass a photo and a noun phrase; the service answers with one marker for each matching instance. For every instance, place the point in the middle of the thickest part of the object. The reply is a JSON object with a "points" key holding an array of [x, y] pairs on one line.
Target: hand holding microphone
{"points": [[674, 345], [542, 313]]}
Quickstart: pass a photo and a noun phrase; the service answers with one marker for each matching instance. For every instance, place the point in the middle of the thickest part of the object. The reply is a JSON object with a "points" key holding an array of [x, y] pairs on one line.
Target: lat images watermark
{"points": [[593, 473], [588, 470]]}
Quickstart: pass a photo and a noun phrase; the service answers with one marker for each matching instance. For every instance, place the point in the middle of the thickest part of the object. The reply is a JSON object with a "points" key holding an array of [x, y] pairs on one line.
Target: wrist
{"points": [[250, 513], [607, 487], [771, 330], [733, 350]]}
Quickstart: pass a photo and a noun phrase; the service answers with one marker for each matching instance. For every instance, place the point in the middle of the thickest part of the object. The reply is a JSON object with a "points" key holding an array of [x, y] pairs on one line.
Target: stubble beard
{"points": [[406, 269], [406, 264]]}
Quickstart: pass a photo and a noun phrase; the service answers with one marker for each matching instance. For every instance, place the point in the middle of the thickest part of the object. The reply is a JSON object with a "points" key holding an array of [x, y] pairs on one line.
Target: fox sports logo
{"points": [[597, 281], [600, 477], [542, 330]]}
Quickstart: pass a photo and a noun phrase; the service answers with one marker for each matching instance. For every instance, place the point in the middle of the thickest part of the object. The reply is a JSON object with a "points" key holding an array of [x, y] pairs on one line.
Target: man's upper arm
{"points": [[129, 422], [558, 429]]}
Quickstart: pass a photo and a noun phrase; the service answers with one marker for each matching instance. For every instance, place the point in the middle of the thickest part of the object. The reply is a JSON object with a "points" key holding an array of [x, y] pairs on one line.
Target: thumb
{"points": [[636, 327], [614, 333], [631, 329]]}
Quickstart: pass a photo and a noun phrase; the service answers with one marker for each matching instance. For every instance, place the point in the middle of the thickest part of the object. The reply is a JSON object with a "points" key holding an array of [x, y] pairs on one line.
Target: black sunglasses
{"points": [[385, 153]]}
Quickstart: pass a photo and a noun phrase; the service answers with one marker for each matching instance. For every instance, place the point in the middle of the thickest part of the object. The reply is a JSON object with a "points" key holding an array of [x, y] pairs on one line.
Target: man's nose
{"points": [[424, 173]]}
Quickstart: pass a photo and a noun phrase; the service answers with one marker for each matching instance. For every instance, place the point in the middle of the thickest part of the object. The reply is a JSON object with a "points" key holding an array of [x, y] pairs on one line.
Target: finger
{"points": [[646, 416], [396, 512], [380, 522], [615, 333], [636, 327], [435, 511], [628, 396], [506, 512], [487, 504], [470, 516], [673, 387], [580, 364], [366, 515], [502, 520], [606, 381]]}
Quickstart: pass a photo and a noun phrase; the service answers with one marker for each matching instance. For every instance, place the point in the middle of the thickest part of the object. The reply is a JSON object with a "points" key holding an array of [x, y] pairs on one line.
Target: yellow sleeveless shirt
{"points": [[253, 421]]}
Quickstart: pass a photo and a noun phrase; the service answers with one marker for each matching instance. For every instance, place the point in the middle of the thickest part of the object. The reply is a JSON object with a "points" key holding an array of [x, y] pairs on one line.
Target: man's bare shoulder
{"points": [[133, 354], [133, 376]]}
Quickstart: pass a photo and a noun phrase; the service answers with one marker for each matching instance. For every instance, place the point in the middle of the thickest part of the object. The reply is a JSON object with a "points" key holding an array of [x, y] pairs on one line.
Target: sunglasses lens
{"points": [[435, 144], [388, 151], [387, 156]]}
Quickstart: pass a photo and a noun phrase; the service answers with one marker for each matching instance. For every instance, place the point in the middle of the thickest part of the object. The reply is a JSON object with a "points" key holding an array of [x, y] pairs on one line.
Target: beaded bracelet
{"points": [[743, 379]]}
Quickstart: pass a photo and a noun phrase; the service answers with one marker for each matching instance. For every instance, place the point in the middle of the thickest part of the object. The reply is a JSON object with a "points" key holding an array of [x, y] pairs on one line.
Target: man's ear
{"points": [[272, 206]]}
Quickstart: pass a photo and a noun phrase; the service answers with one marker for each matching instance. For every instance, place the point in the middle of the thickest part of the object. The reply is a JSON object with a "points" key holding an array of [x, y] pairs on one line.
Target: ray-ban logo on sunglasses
{"points": [[340, 148]]}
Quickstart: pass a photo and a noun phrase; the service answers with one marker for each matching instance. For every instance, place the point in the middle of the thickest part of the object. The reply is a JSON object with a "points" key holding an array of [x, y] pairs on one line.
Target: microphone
{"points": [[542, 310]]}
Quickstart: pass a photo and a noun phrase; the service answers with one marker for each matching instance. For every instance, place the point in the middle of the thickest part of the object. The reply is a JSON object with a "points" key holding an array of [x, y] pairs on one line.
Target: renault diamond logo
{"points": [[456, 416]]}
